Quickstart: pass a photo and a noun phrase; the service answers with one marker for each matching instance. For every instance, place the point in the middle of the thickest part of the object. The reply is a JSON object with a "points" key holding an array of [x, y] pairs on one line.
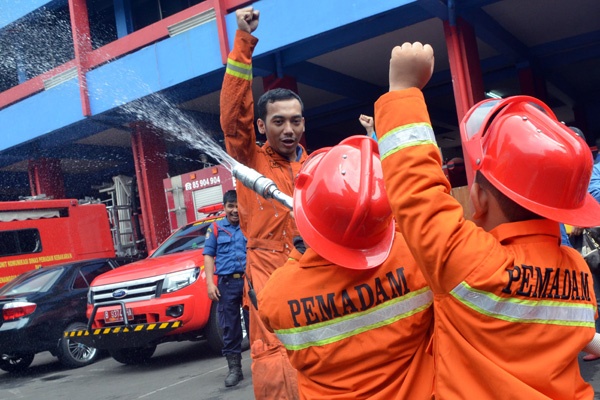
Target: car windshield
{"points": [[39, 281], [190, 237]]}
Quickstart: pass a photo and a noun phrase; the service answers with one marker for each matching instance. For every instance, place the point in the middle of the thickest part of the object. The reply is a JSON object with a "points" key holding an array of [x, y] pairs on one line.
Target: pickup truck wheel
{"points": [[133, 355], [16, 363], [213, 332], [73, 354]]}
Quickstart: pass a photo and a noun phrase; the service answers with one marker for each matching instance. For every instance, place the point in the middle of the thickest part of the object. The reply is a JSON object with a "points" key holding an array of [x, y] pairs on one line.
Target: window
{"points": [[103, 27], [89, 272], [190, 237], [24, 241], [39, 282], [36, 44], [146, 12]]}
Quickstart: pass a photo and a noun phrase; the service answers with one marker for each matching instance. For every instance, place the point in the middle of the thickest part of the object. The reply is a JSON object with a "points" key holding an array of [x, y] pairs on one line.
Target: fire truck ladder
{"points": [[120, 216]]}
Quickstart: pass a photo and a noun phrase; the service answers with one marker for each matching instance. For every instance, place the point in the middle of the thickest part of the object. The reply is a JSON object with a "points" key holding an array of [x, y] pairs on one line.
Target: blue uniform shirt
{"points": [[594, 187], [564, 236], [594, 190], [228, 247]]}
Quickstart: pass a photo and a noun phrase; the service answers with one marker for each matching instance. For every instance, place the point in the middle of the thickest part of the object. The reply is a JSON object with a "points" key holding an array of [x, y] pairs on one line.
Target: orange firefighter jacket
{"points": [[512, 307], [353, 334], [267, 224]]}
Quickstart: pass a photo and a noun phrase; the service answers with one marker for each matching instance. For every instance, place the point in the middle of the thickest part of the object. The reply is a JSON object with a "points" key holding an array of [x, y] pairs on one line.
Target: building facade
{"points": [[94, 89]]}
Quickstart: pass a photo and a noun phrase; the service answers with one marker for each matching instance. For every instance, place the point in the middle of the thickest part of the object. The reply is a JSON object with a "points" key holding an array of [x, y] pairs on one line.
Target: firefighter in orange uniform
{"points": [[513, 308], [354, 312], [268, 225]]}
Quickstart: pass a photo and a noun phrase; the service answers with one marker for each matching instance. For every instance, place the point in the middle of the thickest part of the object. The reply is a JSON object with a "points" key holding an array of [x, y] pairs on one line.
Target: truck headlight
{"points": [[179, 280]]}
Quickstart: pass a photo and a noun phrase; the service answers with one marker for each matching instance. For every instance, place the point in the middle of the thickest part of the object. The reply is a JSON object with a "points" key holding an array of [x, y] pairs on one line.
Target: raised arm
{"points": [[237, 103], [428, 216]]}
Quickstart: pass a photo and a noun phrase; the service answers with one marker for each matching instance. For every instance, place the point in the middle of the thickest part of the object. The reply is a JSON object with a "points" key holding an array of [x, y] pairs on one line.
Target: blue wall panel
{"points": [[46, 111], [154, 68], [123, 80], [190, 54], [12, 10], [301, 19]]}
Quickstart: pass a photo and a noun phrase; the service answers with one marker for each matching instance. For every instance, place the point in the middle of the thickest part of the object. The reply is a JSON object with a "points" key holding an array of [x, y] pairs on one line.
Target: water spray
{"points": [[165, 116], [262, 185]]}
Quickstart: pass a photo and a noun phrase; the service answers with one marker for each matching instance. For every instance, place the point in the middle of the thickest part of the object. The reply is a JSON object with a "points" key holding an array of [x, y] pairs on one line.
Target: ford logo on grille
{"points": [[119, 294]]}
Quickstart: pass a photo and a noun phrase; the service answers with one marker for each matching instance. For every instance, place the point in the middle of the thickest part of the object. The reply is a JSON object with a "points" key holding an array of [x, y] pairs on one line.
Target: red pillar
{"points": [[46, 177], [151, 168], [220, 13], [532, 83], [465, 68], [287, 82], [82, 43]]}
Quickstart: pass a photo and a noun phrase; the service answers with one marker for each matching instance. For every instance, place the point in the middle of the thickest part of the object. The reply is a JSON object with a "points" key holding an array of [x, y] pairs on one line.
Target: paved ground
{"points": [[178, 371], [591, 373]]}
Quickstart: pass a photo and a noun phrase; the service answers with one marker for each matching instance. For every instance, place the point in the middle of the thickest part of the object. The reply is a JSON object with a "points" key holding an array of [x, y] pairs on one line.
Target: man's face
{"points": [[231, 212], [284, 126]]}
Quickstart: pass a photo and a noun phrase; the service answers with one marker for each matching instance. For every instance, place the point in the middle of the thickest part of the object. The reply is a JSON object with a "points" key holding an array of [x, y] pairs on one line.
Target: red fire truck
{"points": [[187, 193], [37, 233]]}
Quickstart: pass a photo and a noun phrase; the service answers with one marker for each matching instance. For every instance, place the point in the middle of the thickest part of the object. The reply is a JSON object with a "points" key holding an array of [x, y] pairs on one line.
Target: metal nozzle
{"points": [[262, 185]]}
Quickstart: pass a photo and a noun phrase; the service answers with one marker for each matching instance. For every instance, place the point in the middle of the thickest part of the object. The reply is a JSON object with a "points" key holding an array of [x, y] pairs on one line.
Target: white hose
{"points": [[262, 185], [593, 347]]}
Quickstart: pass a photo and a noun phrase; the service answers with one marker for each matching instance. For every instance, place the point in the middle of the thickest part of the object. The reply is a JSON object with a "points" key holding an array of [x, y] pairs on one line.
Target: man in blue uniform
{"points": [[225, 245]]}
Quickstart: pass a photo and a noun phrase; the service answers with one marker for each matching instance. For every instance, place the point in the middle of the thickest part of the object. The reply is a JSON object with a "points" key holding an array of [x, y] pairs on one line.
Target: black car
{"points": [[38, 306]]}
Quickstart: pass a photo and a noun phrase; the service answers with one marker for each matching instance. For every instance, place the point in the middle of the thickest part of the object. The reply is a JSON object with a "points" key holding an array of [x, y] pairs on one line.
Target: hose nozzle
{"points": [[262, 185]]}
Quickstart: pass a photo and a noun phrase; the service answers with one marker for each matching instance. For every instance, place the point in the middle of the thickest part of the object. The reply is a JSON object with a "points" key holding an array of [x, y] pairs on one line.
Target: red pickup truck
{"points": [[163, 296]]}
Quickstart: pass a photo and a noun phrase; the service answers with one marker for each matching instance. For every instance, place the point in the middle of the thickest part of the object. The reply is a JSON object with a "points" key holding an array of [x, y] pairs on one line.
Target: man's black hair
{"points": [[578, 132], [512, 211], [299, 244], [230, 196], [274, 95]]}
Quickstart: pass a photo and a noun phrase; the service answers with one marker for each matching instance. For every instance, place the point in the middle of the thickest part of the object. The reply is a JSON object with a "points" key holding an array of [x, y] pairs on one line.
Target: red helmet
{"points": [[341, 206], [518, 144]]}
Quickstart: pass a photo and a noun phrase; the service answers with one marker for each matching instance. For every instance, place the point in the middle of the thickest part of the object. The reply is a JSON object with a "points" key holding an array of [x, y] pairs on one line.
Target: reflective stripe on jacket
{"points": [[353, 333], [513, 308]]}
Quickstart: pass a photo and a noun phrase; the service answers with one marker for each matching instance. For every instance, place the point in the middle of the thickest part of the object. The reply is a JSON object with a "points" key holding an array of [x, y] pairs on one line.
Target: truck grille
{"points": [[136, 290]]}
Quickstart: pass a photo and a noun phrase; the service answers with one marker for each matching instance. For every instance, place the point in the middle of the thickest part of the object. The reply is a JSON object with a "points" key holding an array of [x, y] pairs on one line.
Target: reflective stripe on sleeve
{"points": [[406, 136], [525, 311], [341, 328], [238, 69]]}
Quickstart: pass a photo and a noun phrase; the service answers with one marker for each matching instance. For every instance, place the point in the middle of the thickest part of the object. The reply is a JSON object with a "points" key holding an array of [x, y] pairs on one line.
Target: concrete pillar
{"points": [[149, 155], [465, 68], [82, 46], [46, 177], [123, 18], [532, 82]]}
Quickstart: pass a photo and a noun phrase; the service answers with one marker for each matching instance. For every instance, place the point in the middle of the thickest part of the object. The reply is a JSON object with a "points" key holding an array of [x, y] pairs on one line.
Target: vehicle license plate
{"points": [[116, 315]]}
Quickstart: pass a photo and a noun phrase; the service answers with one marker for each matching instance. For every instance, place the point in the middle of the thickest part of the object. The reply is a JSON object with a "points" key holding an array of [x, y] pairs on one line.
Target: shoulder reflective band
{"points": [[406, 136], [525, 311], [241, 70], [341, 328]]}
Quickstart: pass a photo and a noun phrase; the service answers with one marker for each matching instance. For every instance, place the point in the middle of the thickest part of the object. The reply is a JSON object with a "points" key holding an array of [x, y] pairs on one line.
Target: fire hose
{"points": [[265, 187], [593, 347], [262, 185]]}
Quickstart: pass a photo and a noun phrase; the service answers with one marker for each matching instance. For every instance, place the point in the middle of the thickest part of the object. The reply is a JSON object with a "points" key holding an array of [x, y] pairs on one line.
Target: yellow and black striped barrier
{"points": [[123, 336]]}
